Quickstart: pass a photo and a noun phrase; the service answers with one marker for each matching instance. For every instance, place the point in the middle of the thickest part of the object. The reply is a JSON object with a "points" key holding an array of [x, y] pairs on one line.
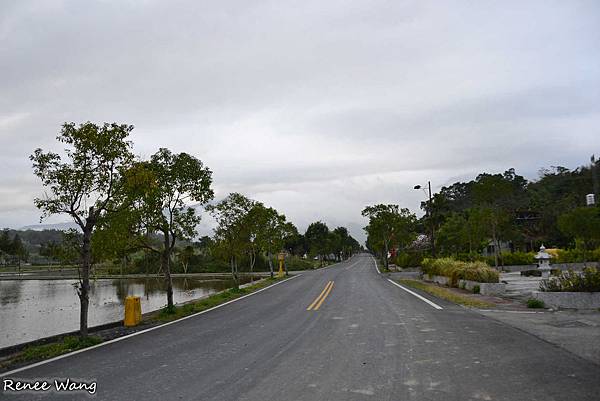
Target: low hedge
{"points": [[457, 270]]}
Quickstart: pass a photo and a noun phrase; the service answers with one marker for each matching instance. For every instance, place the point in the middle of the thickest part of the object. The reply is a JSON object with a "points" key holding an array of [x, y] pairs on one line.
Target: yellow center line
{"points": [[320, 295], [324, 296]]}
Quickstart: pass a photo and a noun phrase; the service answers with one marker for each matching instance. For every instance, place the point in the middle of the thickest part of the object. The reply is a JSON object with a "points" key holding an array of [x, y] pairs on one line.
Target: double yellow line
{"points": [[319, 301]]}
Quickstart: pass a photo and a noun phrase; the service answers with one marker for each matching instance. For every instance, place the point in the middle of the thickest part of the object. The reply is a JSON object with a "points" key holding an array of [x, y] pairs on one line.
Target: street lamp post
{"points": [[429, 212]]}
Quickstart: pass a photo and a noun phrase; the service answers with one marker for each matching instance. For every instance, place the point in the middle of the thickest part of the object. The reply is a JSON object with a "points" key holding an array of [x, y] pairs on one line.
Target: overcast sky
{"points": [[316, 108]]}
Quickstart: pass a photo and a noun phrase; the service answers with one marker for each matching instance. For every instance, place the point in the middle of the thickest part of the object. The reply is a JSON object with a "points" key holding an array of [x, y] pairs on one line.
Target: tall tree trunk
{"points": [[252, 262], [234, 275], [84, 280], [166, 266], [270, 256]]}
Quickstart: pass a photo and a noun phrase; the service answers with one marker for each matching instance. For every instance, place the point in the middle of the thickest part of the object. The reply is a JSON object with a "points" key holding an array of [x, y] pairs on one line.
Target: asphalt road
{"points": [[364, 339]]}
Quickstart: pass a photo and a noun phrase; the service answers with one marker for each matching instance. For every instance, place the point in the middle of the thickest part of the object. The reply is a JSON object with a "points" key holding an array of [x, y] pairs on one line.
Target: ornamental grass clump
{"points": [[457, 270], [570, 281]]}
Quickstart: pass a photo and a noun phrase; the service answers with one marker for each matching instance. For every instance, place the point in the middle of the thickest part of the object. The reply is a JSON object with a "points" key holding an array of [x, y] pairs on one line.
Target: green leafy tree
{"points": [[345, 244], [497, 197], [185, 256], [17, 248], [231, 233], [389, 225], [5, 242], [84, 186], [270, 231], [161, 205], [582, 224], [318, 240], [452, 236]]}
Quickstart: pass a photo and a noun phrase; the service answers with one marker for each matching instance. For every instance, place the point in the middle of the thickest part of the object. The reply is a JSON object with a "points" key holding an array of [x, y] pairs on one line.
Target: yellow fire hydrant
{"points": [[133, 311]]}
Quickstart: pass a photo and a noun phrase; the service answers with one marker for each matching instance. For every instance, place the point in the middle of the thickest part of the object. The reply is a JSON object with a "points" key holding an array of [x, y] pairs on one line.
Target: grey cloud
{"points": [[317, 107]]}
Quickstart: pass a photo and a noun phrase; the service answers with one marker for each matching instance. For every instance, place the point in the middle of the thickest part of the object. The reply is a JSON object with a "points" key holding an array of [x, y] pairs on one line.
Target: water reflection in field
{"points": [[31, 309]]}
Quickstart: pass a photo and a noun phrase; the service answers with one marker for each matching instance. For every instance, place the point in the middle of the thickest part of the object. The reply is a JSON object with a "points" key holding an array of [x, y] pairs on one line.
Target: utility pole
{"points": [[429, 213], [432, 221], [594, 168]]}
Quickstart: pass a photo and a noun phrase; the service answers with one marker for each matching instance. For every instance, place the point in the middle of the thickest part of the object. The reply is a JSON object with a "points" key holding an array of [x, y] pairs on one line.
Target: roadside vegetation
{"points": [[447, 294], [535, 303], [46, 351], [456, 270], [570, 281], [501, 219], [136, 215]]}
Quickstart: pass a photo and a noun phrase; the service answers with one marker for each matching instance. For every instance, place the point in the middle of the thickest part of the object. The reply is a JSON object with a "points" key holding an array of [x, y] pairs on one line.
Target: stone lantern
{"points": [[543, 259]]}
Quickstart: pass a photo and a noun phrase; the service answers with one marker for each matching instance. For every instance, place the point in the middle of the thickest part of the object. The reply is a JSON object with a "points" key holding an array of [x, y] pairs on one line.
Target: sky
{"points": [[315, 108]]}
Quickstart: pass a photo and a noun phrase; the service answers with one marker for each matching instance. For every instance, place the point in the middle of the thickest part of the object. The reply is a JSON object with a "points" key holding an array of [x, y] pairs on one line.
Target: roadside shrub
{"points": [[535, 303], [570, 281], [476, 289], [457, 270], [408, 259]]}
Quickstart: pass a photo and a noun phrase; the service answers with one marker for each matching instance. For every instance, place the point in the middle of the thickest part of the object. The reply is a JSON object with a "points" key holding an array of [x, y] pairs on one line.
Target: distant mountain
{"points": [[57, 226]]}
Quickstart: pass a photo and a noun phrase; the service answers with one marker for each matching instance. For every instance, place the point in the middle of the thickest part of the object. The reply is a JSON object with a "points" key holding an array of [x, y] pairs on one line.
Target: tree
{"points": [[231, 233], [498, 196], [452, 236], [160, 205], [583, 224], [346, 245], [317, 239], [269, 231], [389, 224], [185, 256], [84, 186], [17, 248], [5, 242]]}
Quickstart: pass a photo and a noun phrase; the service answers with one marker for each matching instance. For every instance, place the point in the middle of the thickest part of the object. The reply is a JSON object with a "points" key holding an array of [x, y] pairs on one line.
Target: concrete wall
{"points": [[484, 288], [569, 300]]}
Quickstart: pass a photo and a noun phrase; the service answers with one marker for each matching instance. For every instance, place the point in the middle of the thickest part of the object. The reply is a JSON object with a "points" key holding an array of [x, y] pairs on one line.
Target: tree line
{"points": [[124, 205], [495, 210], [12, 250]]}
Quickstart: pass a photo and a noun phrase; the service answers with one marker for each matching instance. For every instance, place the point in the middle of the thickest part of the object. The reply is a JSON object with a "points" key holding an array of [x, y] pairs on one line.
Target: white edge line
{"points": [[436, 306], [376, 268], [12, 372]]}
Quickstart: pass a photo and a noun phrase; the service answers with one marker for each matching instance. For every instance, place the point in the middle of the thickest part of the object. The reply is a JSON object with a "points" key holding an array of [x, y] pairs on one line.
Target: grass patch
{"points": [[46, 351], [535, 303], [177, 312], [447, 294]]}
